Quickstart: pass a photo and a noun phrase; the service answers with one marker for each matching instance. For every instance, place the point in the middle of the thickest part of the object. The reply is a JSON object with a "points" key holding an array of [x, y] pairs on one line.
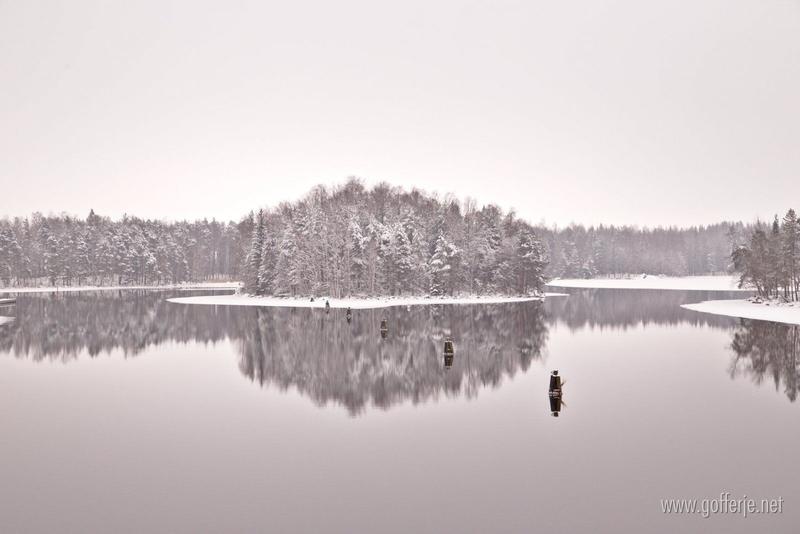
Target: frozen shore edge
{"points": [[353, 303], [744, 309], [200, 286]]}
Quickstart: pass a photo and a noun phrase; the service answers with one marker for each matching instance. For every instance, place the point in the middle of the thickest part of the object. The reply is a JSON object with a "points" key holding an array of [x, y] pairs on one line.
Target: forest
{"points": [[353, 240], [770, 260], [387, 241], [60, 250], [580, 252]]}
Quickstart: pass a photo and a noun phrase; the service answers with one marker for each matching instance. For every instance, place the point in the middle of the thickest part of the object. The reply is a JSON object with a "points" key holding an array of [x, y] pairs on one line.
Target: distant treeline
{"points": [[580, 252], [350, 240], [770, 260], [64, 250], [387, 241]]}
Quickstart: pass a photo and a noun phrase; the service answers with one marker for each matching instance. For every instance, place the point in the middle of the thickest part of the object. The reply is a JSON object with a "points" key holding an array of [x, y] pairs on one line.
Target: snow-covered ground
{"points": [[354, 303], [61, 289], [684, 283], [5, 320], [788, 312]]}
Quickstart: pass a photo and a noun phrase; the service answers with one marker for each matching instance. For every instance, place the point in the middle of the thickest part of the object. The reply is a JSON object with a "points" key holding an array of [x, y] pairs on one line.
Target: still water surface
{"points": [[122, 412]]}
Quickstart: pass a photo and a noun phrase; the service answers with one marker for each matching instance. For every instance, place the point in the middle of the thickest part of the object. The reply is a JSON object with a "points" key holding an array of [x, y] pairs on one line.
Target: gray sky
{"points": [[672, 112]]}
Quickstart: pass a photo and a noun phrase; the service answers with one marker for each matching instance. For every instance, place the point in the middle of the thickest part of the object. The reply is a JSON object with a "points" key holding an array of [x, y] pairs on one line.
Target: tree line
{"points": [[351, 240], [770, 259], [65, 250], [580, 252]]}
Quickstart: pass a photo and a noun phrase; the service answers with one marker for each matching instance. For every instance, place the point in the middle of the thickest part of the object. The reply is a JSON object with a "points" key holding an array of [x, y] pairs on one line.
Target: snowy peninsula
{"points": [[777, 312], [353, 303]]}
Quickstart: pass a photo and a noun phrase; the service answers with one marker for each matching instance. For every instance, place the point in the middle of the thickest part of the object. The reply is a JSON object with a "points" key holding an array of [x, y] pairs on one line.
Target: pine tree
{"points": [[254, 256], [790, 231]]}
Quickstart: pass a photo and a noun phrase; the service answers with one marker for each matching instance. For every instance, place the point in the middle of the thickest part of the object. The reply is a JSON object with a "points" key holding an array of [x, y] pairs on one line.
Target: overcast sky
{"points": [[671, 112]]}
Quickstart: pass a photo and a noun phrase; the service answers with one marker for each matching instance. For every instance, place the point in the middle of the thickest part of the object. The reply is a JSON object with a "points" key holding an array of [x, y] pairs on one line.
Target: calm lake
{"points": [[122, 412]]}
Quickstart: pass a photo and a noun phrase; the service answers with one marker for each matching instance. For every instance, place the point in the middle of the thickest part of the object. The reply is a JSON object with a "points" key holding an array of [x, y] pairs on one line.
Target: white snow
{"points": [[685, 283], [354, 303], [61, 289], [5, 320], [766, 311]]}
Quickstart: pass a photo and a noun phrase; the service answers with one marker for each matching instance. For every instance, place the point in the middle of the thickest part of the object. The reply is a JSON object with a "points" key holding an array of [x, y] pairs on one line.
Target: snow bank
{"points": [[766, 311], [61, 289], [5, 320], [354, 303], [684, 283]]}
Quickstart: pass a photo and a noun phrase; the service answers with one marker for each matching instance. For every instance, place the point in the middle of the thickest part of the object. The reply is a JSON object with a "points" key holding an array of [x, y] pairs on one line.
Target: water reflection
{"points": [[378, 358], [626, 308], [767, 352], [329, 361], [353, 359]]}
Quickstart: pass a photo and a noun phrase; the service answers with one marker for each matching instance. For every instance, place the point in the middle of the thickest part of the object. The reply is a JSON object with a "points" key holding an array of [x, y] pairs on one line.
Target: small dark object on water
{"points": [[349, 315], [555, 384], [555, 393], [449, 353]]}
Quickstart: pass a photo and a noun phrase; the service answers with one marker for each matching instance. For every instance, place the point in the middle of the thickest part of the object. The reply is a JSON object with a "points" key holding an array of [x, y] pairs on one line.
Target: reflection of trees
{"points": [[767, 351], [624, 308], [61, 326], [330, 360], [320, 354]]}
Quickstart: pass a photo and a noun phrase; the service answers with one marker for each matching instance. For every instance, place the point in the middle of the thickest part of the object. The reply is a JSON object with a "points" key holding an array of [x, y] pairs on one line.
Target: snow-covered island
{"points": [[682, 283], [755, 308], [352, 303]]}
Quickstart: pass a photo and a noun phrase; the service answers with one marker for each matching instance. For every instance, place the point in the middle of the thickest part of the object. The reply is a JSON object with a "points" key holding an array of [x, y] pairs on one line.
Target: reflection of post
{"points": [[384, 327], [349, 315], [555, 406], [449, 353], [555, 393]]}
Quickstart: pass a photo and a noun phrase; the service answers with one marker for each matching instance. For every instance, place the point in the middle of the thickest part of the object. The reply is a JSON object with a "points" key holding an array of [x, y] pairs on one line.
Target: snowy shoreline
{"points": [[788, 313], [67, 289], [681, 283], [353, 303]]}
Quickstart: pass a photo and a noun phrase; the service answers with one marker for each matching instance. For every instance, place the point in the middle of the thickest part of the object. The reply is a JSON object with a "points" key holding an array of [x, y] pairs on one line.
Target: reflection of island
{"points": [[329, 360], [767, 351], [333, 361], [323, 356]]}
